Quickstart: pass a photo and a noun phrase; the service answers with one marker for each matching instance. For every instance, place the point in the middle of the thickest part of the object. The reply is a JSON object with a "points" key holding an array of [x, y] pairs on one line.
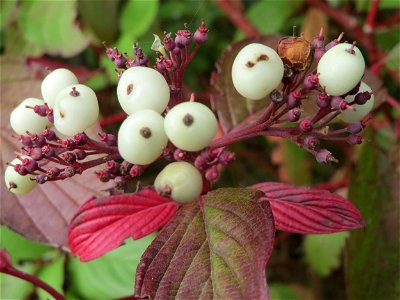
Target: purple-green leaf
{"points": [[217, 248], [231, 107]]}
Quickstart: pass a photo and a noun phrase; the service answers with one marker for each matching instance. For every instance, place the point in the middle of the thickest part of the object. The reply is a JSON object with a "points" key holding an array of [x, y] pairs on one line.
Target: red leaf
{"points": [[101, 225], [218, 249], [304, 210]]}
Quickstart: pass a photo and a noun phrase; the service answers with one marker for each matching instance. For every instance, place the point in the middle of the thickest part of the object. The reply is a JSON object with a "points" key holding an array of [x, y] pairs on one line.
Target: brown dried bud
{"points": [[295, 52]]}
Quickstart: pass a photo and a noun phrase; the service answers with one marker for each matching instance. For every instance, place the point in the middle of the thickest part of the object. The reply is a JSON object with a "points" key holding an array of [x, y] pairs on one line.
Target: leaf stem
{"points": [[32, 279]]}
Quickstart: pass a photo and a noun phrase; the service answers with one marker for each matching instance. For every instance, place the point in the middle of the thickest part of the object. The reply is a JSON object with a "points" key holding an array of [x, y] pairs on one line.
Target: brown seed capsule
{"points": [[295, 52]]}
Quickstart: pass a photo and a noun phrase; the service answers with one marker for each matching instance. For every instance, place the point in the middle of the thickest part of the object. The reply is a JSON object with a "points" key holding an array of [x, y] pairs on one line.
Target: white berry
{"points": [[340, 69], [23, 119], [17, 183], [141, 137], [76, 109], [180, 181], [142, 88], [190, 126], [256, 71], [55, 82], [359, 111]]}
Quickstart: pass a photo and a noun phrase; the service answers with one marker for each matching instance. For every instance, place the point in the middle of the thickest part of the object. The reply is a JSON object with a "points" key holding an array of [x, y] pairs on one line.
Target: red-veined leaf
{"points": [[101, 225], [306, 210], [218, 249]]}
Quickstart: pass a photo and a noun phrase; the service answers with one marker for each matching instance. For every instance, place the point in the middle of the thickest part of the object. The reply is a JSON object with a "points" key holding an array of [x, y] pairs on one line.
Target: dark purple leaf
{"points": [[101, 225], [305, 210], [216, 250], [231, 107]]}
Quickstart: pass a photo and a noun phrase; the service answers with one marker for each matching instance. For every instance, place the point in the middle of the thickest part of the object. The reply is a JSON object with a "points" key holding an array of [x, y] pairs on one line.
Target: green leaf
{"points": [[216, 248], [19, 247], [51, 25], [279, 291], [53, 275], [137, 16], [111, 276], [373, 254], [323, 251], [270, 16], [297, 163], [15, 288], [6, 11], [106, 11]]}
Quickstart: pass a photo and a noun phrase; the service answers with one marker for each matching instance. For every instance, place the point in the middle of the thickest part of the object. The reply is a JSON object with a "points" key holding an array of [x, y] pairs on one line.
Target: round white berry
{"points": [[76, 109], [141, 137], [23, 119], [55, 82], [340, 69], [17, 183], [190, 126], [358, 111], [180, 181], [256, 71], [142, 88]]}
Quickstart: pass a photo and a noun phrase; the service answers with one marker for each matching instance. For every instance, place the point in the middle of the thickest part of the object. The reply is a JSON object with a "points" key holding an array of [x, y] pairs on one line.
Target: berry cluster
{"points": [[334, 88], [160, 124]]}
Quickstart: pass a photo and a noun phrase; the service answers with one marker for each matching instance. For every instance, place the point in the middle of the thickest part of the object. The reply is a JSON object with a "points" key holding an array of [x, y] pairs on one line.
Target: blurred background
{"points": [[358, 265]]}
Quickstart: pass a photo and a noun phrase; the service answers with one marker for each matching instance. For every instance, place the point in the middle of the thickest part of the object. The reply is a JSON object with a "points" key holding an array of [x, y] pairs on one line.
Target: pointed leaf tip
{"points": [[101, 225], [307, 210]]}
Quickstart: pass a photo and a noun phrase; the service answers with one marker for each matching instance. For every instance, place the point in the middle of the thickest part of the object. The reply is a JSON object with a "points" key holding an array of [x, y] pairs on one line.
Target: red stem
{"points": [[237, 17], [393, 102], [115, 118], [32, 279], [370, 22]]}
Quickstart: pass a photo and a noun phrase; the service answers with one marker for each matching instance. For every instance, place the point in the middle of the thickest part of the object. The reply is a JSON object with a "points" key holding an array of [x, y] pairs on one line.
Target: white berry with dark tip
{"points": [[76, 109], [141, 137], [17, 183], [190, 126], [179, 180], [256, 71], [55, 82], [340, 69], [23, 119], [142, 88]]}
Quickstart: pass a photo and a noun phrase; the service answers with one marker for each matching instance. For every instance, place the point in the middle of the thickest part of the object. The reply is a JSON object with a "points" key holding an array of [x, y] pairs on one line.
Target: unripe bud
{"points": [[294, 115], [212, 173], [20, 169], [323, 100], [200, 162], [53, 172], [30, 165], [306, 125], [354, 139], [311, 81], [169, 43], [119, 182], [311, 142], [35, 153], [41, 179], [183, 38], [355, 127], [201, 34], [80, 139], [294, 99], [324, 156], [338, 103], [226, 158], [179, 155], [49, 134], [276, 96]]}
